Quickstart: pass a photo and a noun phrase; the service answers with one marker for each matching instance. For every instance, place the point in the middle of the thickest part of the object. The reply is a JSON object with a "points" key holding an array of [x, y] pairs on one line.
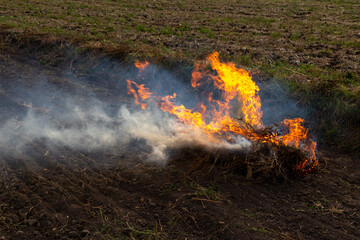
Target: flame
{"points": [[237, 82], [297, 137], [142, 92], [196, 76], [217, 118], [296, 132], [141, 66]]}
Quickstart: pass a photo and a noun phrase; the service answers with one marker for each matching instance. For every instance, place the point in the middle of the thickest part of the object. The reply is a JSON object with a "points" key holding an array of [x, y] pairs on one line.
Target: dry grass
{"points": [[262, 161]]}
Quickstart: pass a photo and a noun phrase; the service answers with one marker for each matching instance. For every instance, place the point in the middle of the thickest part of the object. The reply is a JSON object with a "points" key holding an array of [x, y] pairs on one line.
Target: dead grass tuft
{"points": [[263, 161]]}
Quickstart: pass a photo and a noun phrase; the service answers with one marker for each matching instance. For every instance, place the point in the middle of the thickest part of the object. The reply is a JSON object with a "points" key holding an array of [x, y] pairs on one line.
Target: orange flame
{"points": [[296, 132], [141, 66], [142, 92], [297, 137], [218, 118], [196, 76]]}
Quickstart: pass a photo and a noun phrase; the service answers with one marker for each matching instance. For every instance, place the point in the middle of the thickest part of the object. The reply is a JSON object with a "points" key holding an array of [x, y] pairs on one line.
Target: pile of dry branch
{"points": [[263, 160]]}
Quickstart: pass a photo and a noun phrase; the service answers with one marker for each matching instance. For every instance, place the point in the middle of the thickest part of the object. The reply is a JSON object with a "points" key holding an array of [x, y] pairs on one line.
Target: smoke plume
{"points": [[81, 121], [94, 113]]}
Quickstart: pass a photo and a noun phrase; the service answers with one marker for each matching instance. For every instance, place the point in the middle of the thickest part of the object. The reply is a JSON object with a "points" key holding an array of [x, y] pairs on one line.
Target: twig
{"points": [[66, 223], [216, 158], [206, 200], [295, 71]]}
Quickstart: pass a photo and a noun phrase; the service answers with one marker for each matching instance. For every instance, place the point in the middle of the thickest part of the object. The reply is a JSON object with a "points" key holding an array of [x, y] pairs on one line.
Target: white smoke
{"points": [[161, 132], [93, 129], [68, 113]]}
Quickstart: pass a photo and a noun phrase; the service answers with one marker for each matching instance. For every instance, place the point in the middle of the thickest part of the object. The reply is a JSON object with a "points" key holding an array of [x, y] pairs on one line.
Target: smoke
{"points": [[93, 113], [80, 121], [161, 131], [92, 129], [276, 103]]}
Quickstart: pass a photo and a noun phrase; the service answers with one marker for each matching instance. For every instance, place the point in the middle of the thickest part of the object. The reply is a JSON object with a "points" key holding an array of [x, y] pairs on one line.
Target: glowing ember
{"points": [[223, 119]]}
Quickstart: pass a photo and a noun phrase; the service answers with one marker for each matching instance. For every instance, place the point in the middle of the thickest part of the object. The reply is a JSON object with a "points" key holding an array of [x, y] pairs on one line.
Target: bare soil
{"points": [[66, 194]]}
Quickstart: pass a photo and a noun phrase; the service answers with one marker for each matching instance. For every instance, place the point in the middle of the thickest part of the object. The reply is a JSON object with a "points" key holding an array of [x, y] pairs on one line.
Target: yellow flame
{"points": [[213, 117], [238, 82]]}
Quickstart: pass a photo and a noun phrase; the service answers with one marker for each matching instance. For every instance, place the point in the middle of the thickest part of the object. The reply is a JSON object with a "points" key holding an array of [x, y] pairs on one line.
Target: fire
{"points": [[296, 132], [297, 137], [215, 116], [141, 66], [196, 76], [142, 92], [237, 82]]}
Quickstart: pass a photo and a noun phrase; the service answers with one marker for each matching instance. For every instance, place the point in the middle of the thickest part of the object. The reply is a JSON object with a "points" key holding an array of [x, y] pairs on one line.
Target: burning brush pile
{"points": [[223, 120]]}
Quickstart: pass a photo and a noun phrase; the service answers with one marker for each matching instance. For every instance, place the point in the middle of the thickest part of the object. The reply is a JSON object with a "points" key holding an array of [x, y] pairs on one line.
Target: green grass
{"points": [[276, 35], [168, 30], [142, 28], [123, 230], [260, 230], [209, 192], [206, 31]]}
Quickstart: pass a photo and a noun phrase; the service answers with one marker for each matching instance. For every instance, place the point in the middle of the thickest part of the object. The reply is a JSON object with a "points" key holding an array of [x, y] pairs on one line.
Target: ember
{"points": [[215, 116]]}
